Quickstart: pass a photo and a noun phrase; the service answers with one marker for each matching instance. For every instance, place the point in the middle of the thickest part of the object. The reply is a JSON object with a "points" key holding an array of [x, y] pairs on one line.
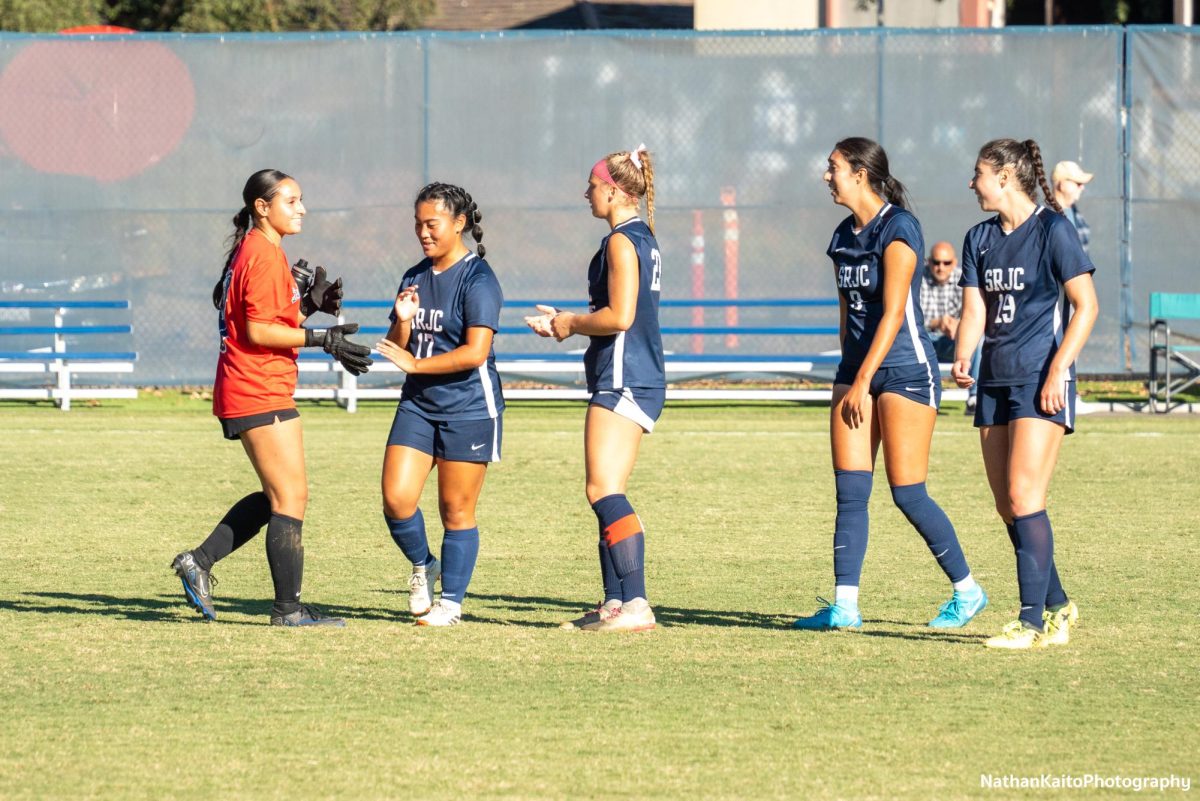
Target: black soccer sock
{"points": [[237, 527], [285, 555], [1035, 557]]}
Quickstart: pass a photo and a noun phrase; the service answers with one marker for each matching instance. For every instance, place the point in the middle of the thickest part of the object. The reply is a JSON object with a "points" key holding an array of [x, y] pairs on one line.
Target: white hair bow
{"points": [[634, 155]]}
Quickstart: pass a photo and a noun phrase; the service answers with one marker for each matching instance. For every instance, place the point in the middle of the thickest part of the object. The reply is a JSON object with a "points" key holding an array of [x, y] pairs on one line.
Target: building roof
{"points": [[472, 15]]}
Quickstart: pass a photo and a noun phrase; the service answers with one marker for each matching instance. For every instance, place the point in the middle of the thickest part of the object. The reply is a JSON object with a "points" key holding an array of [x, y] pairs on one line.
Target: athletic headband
{"points": [[600, 168]]}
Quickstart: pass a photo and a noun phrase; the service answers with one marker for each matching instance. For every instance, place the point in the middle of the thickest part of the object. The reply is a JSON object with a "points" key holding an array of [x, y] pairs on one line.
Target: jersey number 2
{"points": [[656, 271]]}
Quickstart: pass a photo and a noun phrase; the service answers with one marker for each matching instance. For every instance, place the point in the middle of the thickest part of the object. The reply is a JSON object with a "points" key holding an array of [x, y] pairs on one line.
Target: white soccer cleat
{"points": [[442, 614], [635, 615], [420, 587], [590, 621]]}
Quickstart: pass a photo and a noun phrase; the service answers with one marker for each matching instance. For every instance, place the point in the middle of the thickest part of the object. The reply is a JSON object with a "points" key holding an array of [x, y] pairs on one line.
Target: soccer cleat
{"points": [[969, 409], [1059, 623], [197, 584], [828, 617], [1016, 636], [420, 587], [633, 615], [590, 621], [305, 616], [441, 614], [960, 609]]}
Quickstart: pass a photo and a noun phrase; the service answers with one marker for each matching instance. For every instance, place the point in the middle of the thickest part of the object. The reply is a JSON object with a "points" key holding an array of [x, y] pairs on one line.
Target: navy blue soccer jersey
{"points": [[632, 358], [460, 297], [1021, 275], [858, 265]]}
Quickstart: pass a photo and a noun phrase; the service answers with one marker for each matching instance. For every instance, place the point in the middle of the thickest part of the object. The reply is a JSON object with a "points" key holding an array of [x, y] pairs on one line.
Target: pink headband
{"points": [[600, 170]]}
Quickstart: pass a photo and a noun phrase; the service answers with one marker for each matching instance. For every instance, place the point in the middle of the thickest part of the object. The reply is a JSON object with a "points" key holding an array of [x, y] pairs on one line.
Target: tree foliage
{"points": [[217, 16]]}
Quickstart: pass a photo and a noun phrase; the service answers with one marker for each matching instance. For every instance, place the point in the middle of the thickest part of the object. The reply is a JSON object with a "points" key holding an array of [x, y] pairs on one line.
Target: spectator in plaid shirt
{"points": [[941, 306], [1069, 179]]}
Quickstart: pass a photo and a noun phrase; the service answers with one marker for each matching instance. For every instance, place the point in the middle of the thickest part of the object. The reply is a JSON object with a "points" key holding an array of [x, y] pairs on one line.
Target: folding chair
{"points": [[1164, 307]]}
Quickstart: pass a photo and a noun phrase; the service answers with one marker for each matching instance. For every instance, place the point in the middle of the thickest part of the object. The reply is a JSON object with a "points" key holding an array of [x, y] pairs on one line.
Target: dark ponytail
{"points": [[262, 185], [457, 201], [866, 154], [1026, 161], [1039, 172]]}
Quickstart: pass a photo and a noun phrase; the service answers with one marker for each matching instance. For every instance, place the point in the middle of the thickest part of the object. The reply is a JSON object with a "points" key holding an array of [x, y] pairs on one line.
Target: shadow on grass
{"points": [[167, 608], [666, 615]]}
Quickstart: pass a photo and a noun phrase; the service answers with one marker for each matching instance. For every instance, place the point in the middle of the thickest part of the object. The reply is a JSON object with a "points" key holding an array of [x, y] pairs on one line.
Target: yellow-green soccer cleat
{"points": [[1016, 636], [1060, 622]]}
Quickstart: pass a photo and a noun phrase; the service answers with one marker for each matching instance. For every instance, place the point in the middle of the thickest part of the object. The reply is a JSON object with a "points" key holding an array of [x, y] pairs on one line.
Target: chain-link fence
{"points": [[123, 159]]}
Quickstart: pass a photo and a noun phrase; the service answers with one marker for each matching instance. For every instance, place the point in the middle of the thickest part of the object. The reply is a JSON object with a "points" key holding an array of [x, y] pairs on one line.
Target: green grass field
{"points": [[113, 688]]}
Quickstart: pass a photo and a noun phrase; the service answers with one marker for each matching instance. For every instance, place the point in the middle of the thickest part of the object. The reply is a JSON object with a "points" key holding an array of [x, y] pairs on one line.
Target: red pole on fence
{"points": [[697, 277], [729, 201]]}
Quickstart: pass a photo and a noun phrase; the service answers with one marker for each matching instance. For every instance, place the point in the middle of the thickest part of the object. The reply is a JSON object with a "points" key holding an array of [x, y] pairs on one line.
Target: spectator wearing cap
{"points": [[1069, 180]]}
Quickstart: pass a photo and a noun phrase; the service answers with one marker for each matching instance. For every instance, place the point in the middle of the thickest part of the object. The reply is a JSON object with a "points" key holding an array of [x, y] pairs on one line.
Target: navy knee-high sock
{"points": [[626, 543], [933, 525], [1056, 596], [285, 555], [459, 552], [239, 525], [409, 535], [608, 573], [1035, 559], [850, 528]]}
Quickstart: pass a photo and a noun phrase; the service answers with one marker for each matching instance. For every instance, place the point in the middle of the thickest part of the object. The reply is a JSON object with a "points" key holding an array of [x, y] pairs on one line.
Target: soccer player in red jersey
{"points": [[262, 305]]}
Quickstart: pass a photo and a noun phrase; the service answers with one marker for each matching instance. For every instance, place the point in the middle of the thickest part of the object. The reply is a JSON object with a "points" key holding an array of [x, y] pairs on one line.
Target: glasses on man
{"points": [[941, 263]]}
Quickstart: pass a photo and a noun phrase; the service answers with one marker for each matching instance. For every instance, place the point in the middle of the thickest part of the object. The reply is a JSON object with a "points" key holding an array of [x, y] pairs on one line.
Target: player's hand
{"points": [[355, 358], [540, 323], [1053, 398], [397, 355], [560, 324], [854, 403], [961, 372], [317, 292], [407, 304]]}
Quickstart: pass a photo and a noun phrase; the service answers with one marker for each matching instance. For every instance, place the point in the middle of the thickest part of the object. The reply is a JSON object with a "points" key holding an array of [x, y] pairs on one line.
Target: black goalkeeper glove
{"points": [[354, 357], [317, 293]]}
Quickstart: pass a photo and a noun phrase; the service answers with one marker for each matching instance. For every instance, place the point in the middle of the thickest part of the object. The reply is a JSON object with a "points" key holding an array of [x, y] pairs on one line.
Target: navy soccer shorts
{"points": [[452, 440]]}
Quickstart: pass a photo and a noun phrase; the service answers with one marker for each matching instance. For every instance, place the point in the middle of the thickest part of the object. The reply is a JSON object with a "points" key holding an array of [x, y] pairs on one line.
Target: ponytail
{"points": [[457, 201], [241, 224], [262, 185], [866, 154], [1039, 172], [648, 176], [633, 173]]}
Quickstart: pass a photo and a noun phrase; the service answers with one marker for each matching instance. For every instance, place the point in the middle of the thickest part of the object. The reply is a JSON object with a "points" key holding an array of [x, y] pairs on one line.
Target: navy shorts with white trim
{"points": [[998, 406], [452, 440], [642, 405], [917, 382]]}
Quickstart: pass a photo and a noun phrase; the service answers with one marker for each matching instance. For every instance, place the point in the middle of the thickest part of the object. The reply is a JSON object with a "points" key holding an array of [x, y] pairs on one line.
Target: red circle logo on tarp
{"points": [[104, 109]]}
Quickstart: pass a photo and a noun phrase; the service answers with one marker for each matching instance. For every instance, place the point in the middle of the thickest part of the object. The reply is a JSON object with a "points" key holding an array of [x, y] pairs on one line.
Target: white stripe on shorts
{"points": [[627, 407]]}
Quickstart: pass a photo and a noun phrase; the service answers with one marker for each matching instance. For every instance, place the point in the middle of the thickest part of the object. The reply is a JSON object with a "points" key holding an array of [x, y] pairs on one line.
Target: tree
{"points": [[217, 16]]}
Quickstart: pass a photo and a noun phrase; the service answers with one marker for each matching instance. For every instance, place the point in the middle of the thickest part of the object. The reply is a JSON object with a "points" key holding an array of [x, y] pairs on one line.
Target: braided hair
{"points": [[1026, 160], [457, 201], [635, 181], [262, 185]]}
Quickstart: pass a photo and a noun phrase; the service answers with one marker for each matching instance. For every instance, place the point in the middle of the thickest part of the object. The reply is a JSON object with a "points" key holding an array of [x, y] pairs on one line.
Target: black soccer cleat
{"points": [[305, 616], [197, 584]]}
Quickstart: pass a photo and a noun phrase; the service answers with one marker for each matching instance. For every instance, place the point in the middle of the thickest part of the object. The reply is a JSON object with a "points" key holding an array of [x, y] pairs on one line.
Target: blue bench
{"points": [[1165, 349], [55, 348], [546, 361]]}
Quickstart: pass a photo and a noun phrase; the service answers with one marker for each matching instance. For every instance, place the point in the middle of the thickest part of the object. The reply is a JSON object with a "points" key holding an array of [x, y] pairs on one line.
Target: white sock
{"points": [[846, 595], [966, 584]]}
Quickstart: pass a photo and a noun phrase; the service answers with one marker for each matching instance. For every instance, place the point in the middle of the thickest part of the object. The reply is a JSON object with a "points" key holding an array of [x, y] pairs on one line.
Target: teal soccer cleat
{"points": [[828, 617], [960, 609]]}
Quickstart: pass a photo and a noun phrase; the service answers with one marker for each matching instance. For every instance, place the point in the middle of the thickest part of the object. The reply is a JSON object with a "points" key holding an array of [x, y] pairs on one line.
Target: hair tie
{"points": [[635, 153]]}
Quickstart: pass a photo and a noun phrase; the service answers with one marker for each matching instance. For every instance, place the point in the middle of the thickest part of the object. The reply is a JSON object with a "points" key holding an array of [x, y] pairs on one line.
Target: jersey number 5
{"points": [[656, 273]]}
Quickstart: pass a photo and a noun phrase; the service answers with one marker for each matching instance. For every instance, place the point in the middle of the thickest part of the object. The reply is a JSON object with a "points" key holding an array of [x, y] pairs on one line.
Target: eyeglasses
{"points": [[937, 263]]}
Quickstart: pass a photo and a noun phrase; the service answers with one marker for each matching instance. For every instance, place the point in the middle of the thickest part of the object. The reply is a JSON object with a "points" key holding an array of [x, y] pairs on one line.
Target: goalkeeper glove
{"points": [[317, 293], [354, 357]]}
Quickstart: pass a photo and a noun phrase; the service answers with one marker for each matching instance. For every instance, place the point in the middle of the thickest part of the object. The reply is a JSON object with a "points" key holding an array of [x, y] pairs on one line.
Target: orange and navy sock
{"points": [[626, 543], [612, 582]]}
